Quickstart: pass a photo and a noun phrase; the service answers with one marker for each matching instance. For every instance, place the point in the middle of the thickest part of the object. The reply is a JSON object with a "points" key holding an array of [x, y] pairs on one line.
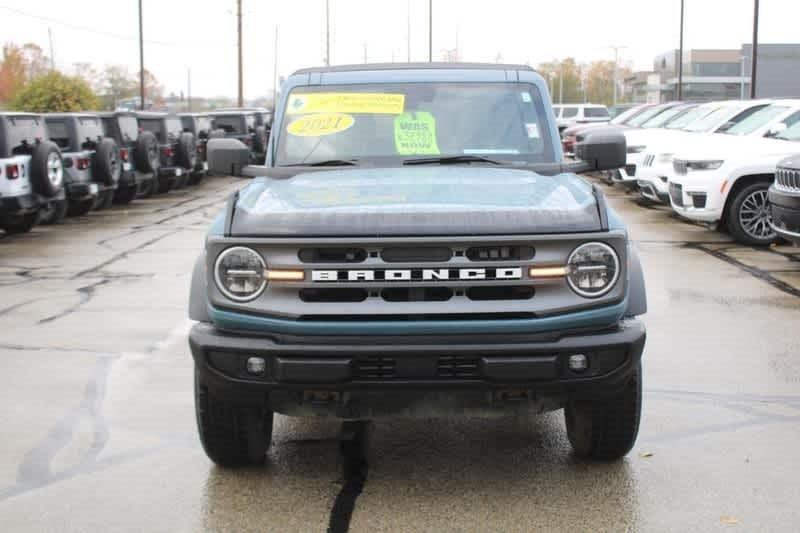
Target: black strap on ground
{"points": [[354, 473]]}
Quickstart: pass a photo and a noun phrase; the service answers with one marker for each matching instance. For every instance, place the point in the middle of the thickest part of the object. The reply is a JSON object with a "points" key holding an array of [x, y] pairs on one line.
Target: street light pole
{"points": [[754, 58], [408, 31], [680, 58], [239, 44], [616, 70], [141, 60], [561, 83]]}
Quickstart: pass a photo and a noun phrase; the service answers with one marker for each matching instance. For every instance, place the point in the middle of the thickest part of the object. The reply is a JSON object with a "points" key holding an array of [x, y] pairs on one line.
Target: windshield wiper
{"points": [[326, 163], [451, 160]]}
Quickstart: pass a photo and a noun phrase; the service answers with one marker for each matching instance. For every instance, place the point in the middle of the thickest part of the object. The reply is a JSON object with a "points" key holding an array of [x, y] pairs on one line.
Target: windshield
{"points": [[790, 134], [229, 123], [664, 118], [626, 115], [757, 120], [646, 115], [690, 117], [393, 122], [710, 120]]}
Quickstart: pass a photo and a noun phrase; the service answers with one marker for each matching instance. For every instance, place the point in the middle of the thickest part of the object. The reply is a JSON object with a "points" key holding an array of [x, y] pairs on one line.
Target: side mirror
{"points": [[776, 130], [603, 150], [226, 157]]}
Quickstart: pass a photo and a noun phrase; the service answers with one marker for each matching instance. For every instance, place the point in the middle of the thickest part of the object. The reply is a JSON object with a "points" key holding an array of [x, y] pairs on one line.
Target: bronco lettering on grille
{"points": [[418, 274]]}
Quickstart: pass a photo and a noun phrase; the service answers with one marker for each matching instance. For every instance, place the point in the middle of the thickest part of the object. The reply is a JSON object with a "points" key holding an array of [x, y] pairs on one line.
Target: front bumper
{"points": [[364, 376], [699, 196], [785, 208], [652, 182]]}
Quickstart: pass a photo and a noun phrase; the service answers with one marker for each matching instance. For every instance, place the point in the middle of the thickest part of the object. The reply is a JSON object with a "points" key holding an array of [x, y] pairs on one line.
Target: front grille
{"points": [[787, 180], [457, 366], [676, 193], [680, 167], [499, 253], [376, 367], [648, 160]]}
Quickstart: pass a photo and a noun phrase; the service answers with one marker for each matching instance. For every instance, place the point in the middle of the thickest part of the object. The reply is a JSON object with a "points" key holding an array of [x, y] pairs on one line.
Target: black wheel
{"points": [[196, 177], [47, 169], [106, 163], [186, 151], [53, 212], [147, 188], [80, 207], [104, 200], [19, 223], [748, 217], [145, 154], [181, 181], [232, 435], [606, 429], [125, 194], [165, 184]]}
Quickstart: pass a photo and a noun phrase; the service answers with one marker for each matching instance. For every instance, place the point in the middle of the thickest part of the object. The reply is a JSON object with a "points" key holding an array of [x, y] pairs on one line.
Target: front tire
{"points": [[232, 435], [748, 216], [606, 429]]}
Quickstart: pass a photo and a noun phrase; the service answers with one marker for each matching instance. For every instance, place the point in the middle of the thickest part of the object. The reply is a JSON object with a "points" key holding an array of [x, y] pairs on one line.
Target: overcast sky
{"points": [[201, 35]]}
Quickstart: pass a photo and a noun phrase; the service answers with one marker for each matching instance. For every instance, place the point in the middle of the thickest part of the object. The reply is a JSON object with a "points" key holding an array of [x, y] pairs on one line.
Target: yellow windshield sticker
{"points": [[320, 124], [415, 134], [372, 103]]}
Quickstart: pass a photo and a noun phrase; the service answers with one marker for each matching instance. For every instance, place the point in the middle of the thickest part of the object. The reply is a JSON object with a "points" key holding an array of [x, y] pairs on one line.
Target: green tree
{"points": [[567, 91], [12, 72], [55, 92]]}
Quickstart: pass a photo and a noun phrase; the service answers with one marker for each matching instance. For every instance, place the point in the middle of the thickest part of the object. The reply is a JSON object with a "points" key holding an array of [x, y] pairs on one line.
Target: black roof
{"points": [[413, 66]]}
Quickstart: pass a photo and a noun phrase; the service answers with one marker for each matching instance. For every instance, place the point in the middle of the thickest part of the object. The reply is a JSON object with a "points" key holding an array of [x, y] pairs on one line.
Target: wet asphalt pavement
{"points": [[98, 429]]}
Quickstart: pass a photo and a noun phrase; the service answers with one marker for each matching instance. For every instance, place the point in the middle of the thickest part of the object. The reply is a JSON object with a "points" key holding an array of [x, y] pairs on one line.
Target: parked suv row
{"points": [[66, 164]]}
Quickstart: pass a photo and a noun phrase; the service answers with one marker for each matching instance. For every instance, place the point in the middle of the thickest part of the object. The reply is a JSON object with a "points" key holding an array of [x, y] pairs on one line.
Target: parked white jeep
{"points": [[31, 171], [725, 183], [661, 145]]}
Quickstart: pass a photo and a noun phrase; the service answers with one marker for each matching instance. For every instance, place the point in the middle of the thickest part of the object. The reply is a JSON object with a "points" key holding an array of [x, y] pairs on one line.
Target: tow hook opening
{"points": [[513, 395], [321, 397]]}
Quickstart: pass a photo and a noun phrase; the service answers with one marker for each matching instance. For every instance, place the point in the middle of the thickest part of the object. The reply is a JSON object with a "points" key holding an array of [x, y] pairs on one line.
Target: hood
{"points": [[430, 200], [721, 146]]}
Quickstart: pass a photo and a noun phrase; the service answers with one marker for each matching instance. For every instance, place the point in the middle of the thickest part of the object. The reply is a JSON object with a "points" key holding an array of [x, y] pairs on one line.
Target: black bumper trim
{"points": [[540, 366], [785, 208]]}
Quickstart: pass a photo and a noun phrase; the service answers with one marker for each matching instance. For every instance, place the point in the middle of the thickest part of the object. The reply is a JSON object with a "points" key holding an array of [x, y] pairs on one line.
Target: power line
{"points": [[83, 28]]}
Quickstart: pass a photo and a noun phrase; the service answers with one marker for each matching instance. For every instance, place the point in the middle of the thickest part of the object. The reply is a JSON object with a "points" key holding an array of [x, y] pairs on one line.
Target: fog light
{"points": [[256, 365], [578, 362]]}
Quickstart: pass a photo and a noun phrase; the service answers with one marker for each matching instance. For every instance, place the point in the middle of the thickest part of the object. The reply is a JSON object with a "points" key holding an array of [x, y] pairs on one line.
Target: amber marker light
{"points": [[548, 272], [286, 275]]}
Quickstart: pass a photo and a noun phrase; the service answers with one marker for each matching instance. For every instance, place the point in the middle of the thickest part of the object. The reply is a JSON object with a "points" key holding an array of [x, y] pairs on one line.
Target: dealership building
{"points": [[719, 74]]}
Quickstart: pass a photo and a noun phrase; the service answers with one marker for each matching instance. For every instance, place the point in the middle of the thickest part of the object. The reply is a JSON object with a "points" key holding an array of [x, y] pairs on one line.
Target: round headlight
{"points": [[240, 273], [592, 269]]}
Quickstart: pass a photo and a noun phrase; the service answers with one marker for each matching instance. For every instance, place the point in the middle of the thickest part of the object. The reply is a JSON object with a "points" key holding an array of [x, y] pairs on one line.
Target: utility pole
{"points": [[680, 59], [430, 31], [616, 69], [365, 52], [275, 72], [741, 76], [239, 32], [754, 58], [561, 84], [189, 90], [327, 33], [52, 54], [141, 60]]}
